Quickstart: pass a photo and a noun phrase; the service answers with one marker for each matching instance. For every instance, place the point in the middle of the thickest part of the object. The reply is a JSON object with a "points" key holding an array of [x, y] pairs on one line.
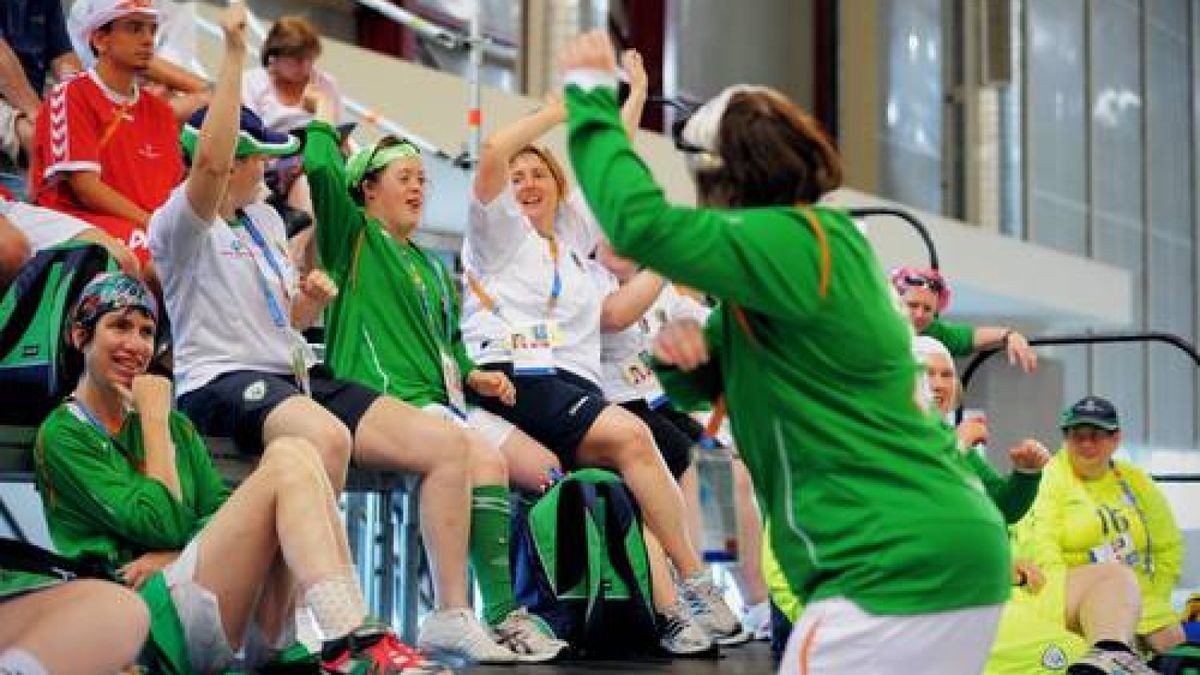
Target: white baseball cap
{"points": [[93, 14]]}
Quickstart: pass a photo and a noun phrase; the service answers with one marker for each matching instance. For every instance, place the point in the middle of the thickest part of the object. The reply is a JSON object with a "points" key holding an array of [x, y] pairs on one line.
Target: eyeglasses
{"points": [[935, 285]]}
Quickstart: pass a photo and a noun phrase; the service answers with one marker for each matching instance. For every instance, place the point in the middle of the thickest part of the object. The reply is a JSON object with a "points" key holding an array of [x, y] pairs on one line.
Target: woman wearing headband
{"points": [[926, 295], [128, 482], [533, 311], [877, 527], [243, 371], [394, 328]]}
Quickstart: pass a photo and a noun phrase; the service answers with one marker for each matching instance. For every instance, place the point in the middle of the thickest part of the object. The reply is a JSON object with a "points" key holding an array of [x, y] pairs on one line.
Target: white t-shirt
{"points": [[43, 227], [514, 265], [259, 96], [617, 349], [212, 278]]}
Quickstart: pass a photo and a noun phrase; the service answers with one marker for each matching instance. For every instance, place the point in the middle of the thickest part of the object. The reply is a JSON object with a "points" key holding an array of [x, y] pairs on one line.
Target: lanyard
{"points": [[1130, 497], [278, 315], [91, 418], [556, 285], [411, 249]]}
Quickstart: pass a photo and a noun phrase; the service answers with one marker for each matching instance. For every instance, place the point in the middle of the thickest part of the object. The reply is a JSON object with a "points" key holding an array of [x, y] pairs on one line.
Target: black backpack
{"points": [[580, 563], [33, 314]]}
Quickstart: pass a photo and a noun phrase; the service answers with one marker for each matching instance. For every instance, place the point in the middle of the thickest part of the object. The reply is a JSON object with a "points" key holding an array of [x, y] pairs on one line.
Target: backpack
{"points": [[1183, 659], [33, 314], [580, 563]]}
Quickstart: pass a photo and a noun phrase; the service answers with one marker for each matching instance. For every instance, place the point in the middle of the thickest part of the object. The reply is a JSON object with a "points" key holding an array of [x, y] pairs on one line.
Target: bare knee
{"points": [[634, 443], [488, 466], [332, 443], [14, 252], [120, 608], [294, 462]]}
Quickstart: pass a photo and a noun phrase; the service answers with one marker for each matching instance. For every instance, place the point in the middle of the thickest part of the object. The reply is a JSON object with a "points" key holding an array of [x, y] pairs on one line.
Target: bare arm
{"points": [[218, 135], [499, 147], [94, 195], [624, 306], [14, 86], [631, 112]]}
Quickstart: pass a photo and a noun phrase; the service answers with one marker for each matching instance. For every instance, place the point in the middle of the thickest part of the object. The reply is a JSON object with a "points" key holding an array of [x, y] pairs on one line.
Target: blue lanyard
{"points": [[1130, 497], [278, 316]]}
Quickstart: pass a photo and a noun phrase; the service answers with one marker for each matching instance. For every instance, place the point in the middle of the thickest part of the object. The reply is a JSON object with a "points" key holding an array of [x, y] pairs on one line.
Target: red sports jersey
{"points": [[132, 142]]}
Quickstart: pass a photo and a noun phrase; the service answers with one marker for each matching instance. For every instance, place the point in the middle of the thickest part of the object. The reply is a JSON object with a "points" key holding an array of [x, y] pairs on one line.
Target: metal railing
{"points": [[872, 211], [1090, 339]]}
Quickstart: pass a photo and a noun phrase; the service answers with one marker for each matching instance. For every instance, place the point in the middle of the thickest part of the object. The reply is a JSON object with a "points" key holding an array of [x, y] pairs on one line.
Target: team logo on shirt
{"points": [[255, 392], [1054, 658], [147, 150]]}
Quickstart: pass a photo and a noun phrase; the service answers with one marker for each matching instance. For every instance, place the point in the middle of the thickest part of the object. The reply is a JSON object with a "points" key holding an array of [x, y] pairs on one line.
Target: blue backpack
{"points": [[580, 563]]}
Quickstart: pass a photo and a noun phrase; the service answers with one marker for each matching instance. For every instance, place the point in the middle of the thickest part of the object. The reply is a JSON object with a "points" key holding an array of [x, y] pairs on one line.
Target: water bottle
{"points": [[714, 473]]}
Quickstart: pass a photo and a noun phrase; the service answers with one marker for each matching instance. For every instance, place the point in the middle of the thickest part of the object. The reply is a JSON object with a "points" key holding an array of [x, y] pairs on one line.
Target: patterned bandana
{"points": [[112, 291]]}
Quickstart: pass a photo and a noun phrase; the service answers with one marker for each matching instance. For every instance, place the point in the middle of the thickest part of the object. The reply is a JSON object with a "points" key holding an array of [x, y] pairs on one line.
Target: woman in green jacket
{"points": [[127, 481], [901, 560]]}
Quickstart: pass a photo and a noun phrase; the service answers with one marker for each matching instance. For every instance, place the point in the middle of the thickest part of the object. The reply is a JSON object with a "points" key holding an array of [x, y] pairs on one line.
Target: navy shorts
{"points": [[674, 445], [555, 410], [235, 405]]}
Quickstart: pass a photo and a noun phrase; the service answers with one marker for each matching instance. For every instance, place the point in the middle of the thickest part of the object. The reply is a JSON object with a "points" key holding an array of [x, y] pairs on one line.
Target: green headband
{"points": [[247, 144], [374, 158]]}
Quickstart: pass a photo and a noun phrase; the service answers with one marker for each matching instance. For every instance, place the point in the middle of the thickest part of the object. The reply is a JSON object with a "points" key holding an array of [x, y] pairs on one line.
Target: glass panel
{"points": [[910, 127]]}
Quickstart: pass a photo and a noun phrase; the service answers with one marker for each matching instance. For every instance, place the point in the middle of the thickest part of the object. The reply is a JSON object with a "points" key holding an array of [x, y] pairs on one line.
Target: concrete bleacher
{"points": [[381, 510]]}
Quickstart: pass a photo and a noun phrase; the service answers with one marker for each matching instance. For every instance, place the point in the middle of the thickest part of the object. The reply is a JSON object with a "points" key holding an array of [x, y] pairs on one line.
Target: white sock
{"points": [[337, 605], [20, 662]]}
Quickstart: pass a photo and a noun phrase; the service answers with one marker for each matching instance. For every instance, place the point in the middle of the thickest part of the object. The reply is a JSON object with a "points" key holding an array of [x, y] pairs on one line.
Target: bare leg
{"points": [[285, 507], [1103, 602], [689, 484], [1163, 639], [84, 627], [661, 583], [748, 572], [619, 440], [301, 416], [528, 461], [394, 435]]}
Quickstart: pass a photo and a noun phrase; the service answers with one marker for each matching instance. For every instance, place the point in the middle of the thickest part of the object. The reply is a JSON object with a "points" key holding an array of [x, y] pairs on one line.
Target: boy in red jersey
{"points": [[105, 151]]}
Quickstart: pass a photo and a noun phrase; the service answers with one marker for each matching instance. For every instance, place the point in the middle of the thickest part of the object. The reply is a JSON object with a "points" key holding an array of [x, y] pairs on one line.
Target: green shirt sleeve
{"points": [[959, 338], [1012, 495], [211, 491], [767, 259], [80, 467], [339, 221], [697, 389], [465, 364]]}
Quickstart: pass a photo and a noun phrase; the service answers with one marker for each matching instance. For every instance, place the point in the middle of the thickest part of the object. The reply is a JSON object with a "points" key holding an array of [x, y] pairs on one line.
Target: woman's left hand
{"points": [[318, 287], [591, 51], [631, 61], [493, 384], [138, 571], [1020, 353]]}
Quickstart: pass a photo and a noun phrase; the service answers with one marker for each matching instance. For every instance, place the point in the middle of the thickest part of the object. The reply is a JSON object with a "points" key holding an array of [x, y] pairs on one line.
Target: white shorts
{"points": [[835, 636], [42, 227], [209, 650], [493, 428]]}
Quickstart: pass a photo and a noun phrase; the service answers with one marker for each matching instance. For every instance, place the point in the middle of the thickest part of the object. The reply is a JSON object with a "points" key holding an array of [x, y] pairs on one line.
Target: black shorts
{"points": [[674, 445], [555, 410], [686, 424], [235, 405]]}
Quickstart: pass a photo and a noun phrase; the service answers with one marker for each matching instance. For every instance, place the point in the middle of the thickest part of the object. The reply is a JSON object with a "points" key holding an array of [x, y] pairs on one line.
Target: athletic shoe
{"points": [[457, 632], [679, 634], [529, 637], [757, 621], [375, 650], [710, 610], [1109, 662]]}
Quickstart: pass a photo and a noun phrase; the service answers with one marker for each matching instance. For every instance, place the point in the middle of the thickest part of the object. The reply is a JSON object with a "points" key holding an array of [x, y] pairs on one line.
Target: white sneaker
{"points": [[458, 632], [529, 637], [757, 620], [1112, 662], [710, 610], [679, 634]]}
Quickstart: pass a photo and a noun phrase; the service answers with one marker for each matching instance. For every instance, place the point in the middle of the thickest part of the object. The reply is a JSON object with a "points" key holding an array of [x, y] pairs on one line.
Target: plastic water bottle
{"points": [[714, 473]]}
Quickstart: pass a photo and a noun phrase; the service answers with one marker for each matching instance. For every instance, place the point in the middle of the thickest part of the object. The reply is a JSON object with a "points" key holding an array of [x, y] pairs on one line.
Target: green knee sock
{"points": [[490, 512]]}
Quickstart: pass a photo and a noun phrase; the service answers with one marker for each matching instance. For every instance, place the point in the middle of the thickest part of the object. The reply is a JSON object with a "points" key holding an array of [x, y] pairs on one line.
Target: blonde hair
{"points": [[556, 169]]}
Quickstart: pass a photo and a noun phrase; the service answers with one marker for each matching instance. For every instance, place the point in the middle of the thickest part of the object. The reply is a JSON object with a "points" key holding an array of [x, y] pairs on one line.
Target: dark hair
{"points": [[772, 153], [291, 36]]}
